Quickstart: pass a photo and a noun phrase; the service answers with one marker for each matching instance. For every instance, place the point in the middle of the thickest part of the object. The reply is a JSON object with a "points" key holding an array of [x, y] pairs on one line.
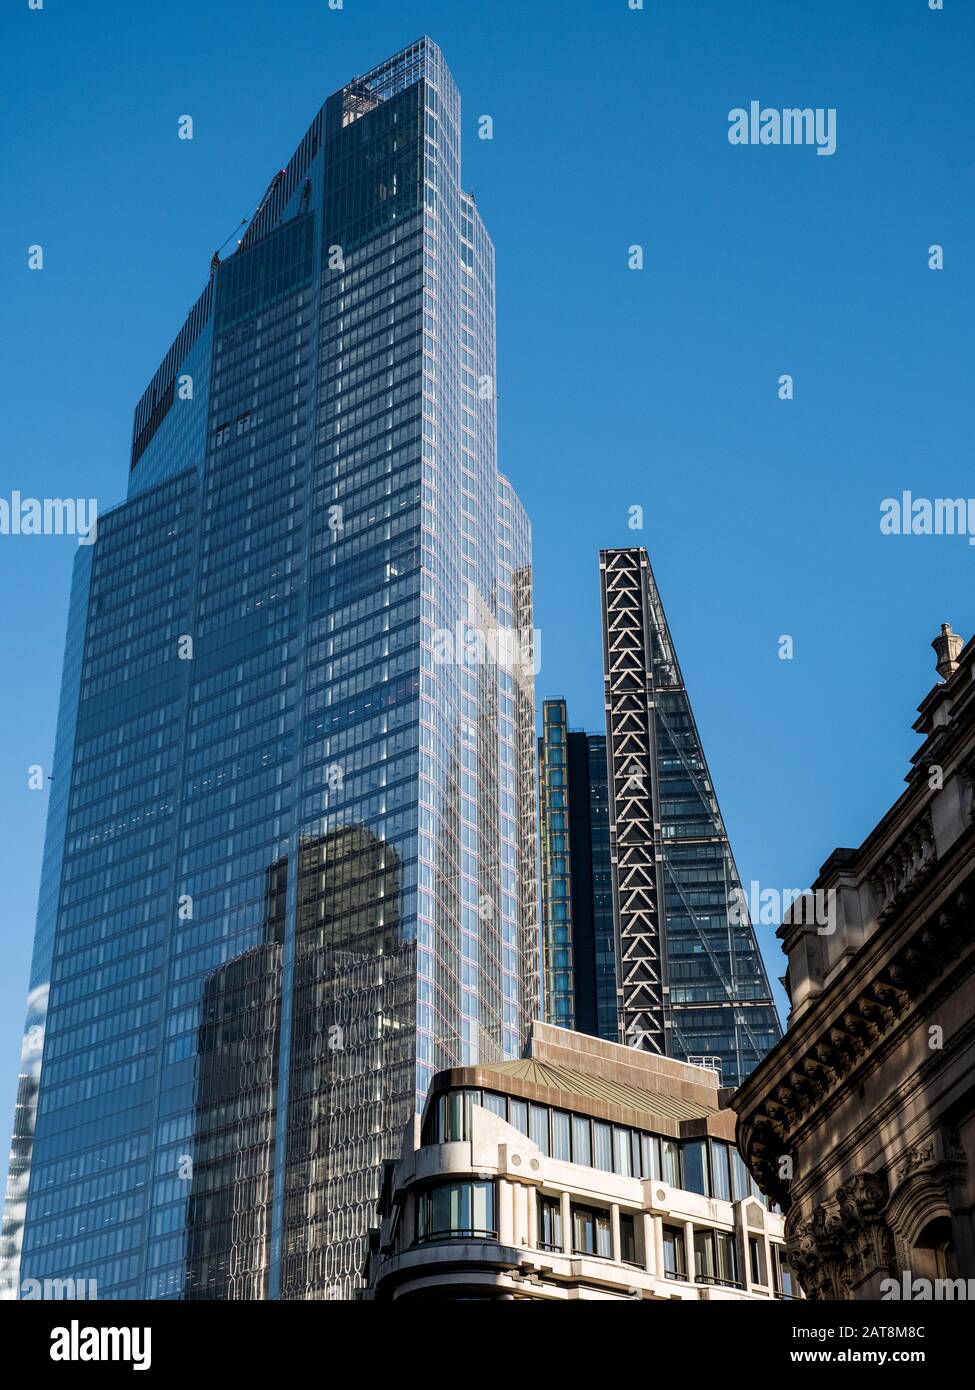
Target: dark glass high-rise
{"points": [[290, 860], [578, 941]]}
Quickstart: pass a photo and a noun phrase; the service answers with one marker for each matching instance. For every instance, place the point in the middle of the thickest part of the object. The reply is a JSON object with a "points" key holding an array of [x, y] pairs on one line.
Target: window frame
{"points": [[675, 1236], [427, 1234], [601, 1223]]}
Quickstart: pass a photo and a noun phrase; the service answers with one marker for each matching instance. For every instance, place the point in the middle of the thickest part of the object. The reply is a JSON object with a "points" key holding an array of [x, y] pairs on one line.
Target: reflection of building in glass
{"points": [[252, 666], [578, 941], [692, 983], [585, 1170], [350, 1083], [232, 1155]]}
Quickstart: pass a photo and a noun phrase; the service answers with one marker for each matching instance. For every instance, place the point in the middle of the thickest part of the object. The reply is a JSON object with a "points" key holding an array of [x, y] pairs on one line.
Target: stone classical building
{"points": [[586, 1170], [861, 1122]]}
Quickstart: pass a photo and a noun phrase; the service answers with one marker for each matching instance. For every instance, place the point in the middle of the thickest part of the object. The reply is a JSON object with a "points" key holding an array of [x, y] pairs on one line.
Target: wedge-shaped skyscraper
{"points": [[690, 979], [290, 860]]}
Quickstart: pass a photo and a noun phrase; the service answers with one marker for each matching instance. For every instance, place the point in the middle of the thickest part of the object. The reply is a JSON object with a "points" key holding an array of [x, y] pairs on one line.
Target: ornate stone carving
{"points": [[904, 868], [848, 1046], [863, 1196], [968, 773], [929, 1175], [844, 1242], [922, 1153]]}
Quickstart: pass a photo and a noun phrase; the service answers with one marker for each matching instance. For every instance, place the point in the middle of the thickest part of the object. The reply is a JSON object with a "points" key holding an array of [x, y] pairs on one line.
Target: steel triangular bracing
{"points": [[690, 976]]}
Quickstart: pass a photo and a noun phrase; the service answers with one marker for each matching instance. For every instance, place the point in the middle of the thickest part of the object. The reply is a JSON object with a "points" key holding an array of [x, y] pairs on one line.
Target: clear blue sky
{"points": [[618, 388]]}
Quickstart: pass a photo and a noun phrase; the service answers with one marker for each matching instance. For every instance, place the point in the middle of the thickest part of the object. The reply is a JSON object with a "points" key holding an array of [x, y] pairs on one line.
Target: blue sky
{"points": [[619, 388]]}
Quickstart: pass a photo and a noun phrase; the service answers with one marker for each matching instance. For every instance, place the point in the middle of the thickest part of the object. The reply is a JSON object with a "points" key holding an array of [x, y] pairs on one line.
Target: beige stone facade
{"points": [[861, 1122]]}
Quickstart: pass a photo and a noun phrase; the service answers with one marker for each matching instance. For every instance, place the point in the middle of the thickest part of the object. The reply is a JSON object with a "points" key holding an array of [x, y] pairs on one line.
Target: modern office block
{"points": [[289, 872], [578, 946], [691, 979], [585, 1170]]}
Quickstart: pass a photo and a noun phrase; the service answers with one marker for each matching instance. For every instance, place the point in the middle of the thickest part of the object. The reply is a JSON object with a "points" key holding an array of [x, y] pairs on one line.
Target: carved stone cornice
{"points": [[846, 1038], [907, 1098]]}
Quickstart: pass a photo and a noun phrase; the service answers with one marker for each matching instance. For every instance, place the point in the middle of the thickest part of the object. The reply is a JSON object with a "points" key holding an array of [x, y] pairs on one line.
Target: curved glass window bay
{"points": [[457, 1210]]}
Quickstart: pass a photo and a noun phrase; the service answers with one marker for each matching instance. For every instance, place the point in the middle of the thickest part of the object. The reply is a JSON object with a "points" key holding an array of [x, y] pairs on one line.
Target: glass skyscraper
{"points": [[290, 860], [692, 984], [578, 940]]}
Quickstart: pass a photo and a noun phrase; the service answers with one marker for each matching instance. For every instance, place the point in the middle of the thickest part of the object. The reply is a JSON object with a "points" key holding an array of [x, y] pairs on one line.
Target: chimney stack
{"points": [[947, 647]]}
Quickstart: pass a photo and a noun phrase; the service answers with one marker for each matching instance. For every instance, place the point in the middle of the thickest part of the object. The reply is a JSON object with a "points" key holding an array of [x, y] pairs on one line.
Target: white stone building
{"points": [[584, 1171]]}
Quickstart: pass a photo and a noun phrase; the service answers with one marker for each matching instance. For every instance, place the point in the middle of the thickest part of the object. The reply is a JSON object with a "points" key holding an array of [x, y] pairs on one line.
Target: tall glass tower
{"points": [[692, 984], [578, 937], [290, 859]]}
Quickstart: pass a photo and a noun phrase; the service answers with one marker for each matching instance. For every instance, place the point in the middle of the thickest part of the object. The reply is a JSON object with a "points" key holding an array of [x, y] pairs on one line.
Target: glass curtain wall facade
{"points": [[578, 940], [290, 860], [692, 982]]}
